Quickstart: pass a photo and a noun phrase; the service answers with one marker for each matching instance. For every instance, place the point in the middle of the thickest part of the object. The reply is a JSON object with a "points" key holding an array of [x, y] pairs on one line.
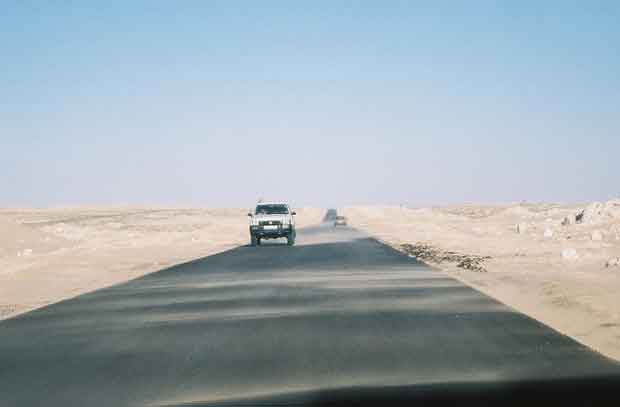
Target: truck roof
{"points": [[271, 203]]}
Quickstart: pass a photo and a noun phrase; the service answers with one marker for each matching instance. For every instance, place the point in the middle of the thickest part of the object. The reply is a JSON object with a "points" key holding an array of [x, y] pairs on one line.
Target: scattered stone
{"points": [[521, 228], [612, 208], [472, 263], [591, 213], [596, 235], [569, 254], [613, 262], [569, 220], [548, 233], [597, 212], [428, 253]]}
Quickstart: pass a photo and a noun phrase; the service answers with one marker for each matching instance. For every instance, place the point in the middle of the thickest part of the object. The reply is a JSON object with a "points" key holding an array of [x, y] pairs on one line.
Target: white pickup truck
{"points": [[271, 220]]}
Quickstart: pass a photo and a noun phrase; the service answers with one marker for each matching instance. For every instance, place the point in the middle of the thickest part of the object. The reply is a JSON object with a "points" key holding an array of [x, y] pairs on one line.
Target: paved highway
{"points": [[337, 319]]}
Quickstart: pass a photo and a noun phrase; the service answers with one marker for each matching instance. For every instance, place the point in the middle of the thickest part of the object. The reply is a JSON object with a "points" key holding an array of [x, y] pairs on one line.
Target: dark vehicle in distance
{"points": [[330, 215], [340, 221]]}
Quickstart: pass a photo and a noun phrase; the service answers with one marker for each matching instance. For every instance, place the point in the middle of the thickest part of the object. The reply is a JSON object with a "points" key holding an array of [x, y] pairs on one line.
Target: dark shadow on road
{"points": [[571, 392]]}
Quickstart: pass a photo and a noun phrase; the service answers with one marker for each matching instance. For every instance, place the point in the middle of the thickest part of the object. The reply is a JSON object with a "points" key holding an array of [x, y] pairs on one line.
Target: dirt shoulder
{"points": [[521, 255], [47, 255]]}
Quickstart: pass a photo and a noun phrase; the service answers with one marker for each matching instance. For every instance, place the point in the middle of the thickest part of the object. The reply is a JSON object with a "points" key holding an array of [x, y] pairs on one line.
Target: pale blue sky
{"points": [[320, 103]]}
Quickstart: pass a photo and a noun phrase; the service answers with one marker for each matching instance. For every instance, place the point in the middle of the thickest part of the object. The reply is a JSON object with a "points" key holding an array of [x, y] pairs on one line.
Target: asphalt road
{"points": [[338, 319]]}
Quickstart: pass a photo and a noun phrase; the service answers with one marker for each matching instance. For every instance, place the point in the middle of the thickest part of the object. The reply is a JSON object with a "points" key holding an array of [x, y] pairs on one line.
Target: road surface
{"points": [[339, 318]]}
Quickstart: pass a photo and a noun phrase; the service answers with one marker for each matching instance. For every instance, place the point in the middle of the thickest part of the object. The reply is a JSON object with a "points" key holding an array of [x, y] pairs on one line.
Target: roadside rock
{"points": [[569, 220], [598, 212], [613, 208], [590, 214], [429, 253], [569, 254], [613, 262], [521, 228]]}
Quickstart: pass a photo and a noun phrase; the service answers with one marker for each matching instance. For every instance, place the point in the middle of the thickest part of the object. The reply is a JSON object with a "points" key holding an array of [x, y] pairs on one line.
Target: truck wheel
{"points": [[253, 240], [258, 240], [290, 239]]}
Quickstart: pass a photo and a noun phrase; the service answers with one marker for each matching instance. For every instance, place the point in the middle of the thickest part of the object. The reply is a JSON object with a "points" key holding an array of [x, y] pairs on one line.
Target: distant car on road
{"points": [[330, 215], [272, 220], [340, 221]]}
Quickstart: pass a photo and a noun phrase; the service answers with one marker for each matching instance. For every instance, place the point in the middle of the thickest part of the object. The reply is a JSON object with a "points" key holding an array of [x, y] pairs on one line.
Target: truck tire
{"points": [[253, 240], [258, 240], [290, 239]]}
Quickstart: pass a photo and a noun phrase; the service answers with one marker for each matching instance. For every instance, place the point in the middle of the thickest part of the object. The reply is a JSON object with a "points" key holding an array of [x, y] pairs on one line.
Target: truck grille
{"points": [[269, 222]]}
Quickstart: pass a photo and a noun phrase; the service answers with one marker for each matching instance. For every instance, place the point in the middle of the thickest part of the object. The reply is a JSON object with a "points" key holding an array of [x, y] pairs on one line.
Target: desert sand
{"points": [[555, 263], [47, 255], [541, 259]]}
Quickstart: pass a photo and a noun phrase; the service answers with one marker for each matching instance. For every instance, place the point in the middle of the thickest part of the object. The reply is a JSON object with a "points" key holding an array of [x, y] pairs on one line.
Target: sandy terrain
{"points": [[555, 273], [47, 255]]}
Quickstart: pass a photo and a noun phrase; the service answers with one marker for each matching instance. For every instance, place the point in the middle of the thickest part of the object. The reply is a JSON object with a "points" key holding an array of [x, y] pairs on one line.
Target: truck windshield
{"points": [[271, 210]]}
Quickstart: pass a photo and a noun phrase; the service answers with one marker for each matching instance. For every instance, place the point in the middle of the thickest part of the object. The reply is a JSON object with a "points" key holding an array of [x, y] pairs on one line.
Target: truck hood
{"points": [[281, 218]]}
